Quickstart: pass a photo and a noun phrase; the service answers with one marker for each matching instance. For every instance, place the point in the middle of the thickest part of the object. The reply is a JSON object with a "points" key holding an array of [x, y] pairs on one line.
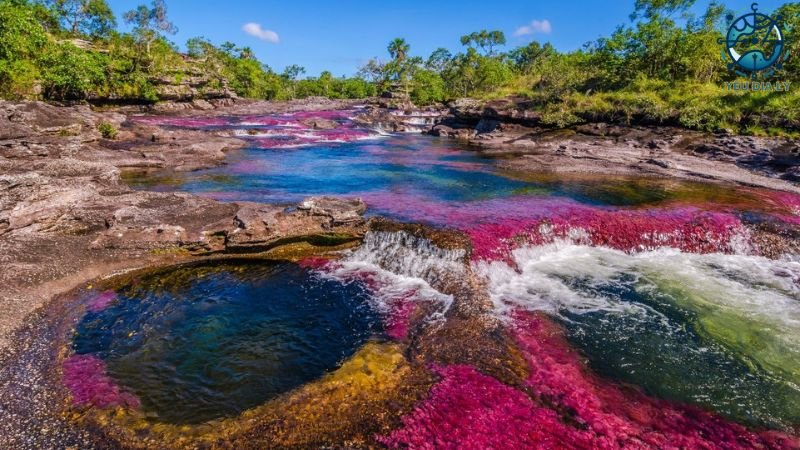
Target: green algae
{"points": [[758, 339]]}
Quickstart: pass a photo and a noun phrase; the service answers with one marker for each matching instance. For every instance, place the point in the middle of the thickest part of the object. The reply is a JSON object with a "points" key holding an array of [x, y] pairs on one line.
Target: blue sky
{"points": [[340, 35]]}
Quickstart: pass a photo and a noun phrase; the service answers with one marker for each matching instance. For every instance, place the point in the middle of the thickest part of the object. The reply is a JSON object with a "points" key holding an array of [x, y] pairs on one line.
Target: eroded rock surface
{"points": [[66, 216]]}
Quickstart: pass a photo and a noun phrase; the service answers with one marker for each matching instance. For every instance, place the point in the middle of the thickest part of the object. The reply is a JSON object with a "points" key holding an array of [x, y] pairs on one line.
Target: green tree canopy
{"points": [[92, 18]]}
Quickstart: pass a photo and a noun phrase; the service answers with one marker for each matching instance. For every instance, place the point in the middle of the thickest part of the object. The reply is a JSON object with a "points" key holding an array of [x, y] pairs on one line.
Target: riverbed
{"points": [[482, 307]]}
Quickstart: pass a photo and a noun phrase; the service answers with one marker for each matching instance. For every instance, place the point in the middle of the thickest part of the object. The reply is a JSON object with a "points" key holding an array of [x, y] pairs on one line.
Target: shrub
{"points": [[69, 73], [107, 130]]}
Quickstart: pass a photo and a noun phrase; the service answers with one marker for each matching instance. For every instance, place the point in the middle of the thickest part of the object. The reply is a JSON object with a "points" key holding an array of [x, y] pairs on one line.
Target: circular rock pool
{"points": [[201, 342]]}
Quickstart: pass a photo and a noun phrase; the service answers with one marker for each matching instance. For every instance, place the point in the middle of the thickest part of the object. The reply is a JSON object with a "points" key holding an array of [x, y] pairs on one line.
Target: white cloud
{"points": [[536, 26], [255, 29]]}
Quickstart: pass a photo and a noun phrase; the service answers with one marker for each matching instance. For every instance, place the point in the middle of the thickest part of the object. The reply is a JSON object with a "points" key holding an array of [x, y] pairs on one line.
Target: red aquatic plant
{"points": [[470, 410], [687, 229], [86, 378], [562, 406], [101, 301], [619, 417], [314, 262], [398, 320]]}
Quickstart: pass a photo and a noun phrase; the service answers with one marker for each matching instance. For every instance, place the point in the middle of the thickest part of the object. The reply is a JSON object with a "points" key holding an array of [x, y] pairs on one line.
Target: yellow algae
{"points": [[366, 396]]}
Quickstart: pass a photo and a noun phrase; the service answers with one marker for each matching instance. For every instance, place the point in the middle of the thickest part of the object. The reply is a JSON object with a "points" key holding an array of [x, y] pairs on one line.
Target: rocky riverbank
{"points": [[66, 217], [514, 127]]}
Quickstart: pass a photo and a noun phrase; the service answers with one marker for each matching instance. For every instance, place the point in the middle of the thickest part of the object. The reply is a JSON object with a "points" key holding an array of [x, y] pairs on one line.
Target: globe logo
{"points": [[754, 44]]}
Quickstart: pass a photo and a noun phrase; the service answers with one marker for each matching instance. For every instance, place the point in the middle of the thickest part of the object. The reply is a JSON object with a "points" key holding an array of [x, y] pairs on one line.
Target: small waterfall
{"points": [[405, 254], [402, 267]]}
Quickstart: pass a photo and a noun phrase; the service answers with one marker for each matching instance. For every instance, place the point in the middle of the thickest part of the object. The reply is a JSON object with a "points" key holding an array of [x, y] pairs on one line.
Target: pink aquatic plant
{"points": [[86, 378], [314, 262], [398, 321], [562, 406], [101, 301], [788, 202], [274, 131], [468, 410], [499, 225], [622, 417], [687, 229]]}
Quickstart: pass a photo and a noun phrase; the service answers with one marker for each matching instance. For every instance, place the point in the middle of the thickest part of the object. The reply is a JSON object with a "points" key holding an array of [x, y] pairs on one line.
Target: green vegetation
{"points": [[107, 130], [69, 50], [663, 67]]}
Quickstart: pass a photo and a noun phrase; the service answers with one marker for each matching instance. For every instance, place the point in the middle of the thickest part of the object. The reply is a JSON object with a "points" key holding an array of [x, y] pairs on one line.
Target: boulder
{"points": [[487, 125], [338, 210], [441, 131], [319, 123]]}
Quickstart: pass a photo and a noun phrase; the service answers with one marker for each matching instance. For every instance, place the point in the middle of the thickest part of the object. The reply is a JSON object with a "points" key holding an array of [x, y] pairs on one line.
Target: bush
{"points": [[69, 73], [107, 130], [22, 38]]}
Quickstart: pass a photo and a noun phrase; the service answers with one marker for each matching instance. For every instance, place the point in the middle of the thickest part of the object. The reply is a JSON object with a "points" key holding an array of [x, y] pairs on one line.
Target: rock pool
{"points": [[198, 343]]}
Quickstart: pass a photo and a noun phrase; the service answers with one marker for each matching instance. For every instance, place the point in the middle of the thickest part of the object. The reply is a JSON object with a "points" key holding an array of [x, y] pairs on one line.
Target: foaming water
{"points": [[401, 271], [717, 330]]}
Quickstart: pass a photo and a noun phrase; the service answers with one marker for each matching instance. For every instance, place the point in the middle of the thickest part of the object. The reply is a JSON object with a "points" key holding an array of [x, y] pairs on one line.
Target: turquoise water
{"points": [[408, 168]]}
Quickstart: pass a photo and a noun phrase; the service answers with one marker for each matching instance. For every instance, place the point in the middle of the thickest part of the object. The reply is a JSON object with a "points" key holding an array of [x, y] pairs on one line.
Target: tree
{"points": [[70, 73], [790, 16], [439, 60], [398, 49], [150, 23], [290, 75], [485, 40], [428, 87], [526, 58], [22, 39], [373, 71], [400, 67], [325, 81], [246, 53], [85, 17], [651, 9], [293, 71]]}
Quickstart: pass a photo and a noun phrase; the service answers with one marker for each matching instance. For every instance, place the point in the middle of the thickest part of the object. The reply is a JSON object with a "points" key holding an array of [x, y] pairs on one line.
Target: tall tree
{"points": [[485, 40], [398, 49], [290, 74], [85, 17], [150, 23], [439, 60], [650, 9]]}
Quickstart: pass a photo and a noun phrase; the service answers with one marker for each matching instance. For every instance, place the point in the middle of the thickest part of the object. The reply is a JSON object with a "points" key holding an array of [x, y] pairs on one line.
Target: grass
{"points": [[699, 106]]}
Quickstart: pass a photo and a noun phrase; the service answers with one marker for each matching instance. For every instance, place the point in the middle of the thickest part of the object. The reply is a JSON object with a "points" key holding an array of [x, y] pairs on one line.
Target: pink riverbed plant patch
{"points": [[86, 378], [101, 301], [498, 226], [562, 406]]}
